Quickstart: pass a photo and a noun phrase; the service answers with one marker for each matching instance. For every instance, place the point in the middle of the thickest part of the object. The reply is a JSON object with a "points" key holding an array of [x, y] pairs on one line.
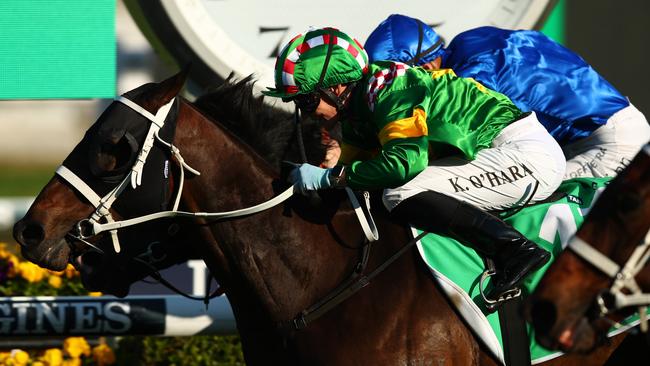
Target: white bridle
{"points": [[92, 226], [624, 278]]}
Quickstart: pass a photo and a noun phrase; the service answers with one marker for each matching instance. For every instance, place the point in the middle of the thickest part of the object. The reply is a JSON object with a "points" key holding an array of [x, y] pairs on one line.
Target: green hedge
{"points": [[179, 351]]}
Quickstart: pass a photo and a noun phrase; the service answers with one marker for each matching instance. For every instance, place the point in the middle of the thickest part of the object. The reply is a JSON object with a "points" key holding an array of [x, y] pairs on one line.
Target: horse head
{"points": [[575, 304], [50, 233]]}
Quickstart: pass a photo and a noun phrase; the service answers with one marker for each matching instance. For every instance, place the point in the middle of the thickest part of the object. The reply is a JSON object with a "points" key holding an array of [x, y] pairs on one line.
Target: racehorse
{"points": [[602, 274], [273, 264]]}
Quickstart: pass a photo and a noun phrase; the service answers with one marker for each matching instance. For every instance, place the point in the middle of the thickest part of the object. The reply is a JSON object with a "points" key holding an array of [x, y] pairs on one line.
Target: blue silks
{"points": [[396, 39], [570, 98]]}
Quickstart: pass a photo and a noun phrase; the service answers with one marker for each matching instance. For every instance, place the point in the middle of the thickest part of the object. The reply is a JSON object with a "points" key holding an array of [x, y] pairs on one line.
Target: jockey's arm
{"points": [[404, 152], [399, 161], [350, 153], [332, 150]]}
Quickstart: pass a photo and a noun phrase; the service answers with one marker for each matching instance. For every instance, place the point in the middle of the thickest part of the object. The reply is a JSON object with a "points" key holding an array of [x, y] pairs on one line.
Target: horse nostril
{"points": [[28, 233], [544, 315]]}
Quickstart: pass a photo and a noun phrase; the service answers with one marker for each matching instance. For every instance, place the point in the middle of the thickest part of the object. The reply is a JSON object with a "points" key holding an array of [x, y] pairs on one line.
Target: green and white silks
{"points": [[458, 268]]}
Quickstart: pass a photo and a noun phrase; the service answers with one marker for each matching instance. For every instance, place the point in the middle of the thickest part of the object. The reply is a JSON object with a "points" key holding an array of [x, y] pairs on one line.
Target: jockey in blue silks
{"points": [[597, 127]]}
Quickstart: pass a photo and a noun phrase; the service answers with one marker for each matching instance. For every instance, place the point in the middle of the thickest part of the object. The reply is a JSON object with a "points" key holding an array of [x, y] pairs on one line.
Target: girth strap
{"points": [[516, 347]]}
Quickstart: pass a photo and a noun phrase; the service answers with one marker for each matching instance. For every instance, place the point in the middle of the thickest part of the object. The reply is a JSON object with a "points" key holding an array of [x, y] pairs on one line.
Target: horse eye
{"points": [[111, 158]]}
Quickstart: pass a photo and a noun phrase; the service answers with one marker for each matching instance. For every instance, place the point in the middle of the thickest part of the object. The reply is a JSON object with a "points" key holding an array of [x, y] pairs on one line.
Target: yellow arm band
{"points": [[415, 126]]}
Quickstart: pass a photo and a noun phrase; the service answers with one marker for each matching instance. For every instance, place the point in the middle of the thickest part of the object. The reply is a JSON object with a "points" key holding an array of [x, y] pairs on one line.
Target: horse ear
{"points": [[153, 96], [169, 88]]}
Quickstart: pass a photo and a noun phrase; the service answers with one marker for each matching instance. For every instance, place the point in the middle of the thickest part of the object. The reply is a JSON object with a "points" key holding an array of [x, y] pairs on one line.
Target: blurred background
{"points": [[35, 135], [37, 130]]}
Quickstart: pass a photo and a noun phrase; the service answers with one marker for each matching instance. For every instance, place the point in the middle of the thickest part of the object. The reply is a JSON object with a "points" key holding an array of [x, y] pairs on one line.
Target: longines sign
{"points": [[87, 316], [169, 315]]}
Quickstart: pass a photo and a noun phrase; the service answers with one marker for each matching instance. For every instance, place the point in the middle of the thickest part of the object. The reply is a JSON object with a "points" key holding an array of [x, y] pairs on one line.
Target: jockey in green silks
{"points": [[443, 148]]}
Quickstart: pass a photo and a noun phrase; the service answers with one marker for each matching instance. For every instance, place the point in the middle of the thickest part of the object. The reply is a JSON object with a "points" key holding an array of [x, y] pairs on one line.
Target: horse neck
{"points": [[271, 260]]}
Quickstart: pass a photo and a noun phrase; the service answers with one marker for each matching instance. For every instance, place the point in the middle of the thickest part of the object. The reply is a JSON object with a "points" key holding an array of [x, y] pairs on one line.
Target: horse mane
{"points": [[269, 131]]}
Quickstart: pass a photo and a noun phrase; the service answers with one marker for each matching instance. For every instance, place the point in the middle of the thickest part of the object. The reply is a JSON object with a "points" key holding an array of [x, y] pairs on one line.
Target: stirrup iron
{"points": [[493, 305]]}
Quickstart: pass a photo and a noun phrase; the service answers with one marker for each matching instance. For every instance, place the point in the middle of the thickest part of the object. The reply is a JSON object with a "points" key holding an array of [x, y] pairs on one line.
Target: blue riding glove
{"points": [[307, 177]]}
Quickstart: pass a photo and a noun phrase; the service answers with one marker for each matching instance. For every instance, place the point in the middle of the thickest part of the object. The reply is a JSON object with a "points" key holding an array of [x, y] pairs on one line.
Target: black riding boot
{"points": [[514, 255]]}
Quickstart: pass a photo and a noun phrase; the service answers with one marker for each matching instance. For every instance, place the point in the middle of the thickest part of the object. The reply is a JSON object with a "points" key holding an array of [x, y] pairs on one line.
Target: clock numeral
{"points": [[276, 51]]}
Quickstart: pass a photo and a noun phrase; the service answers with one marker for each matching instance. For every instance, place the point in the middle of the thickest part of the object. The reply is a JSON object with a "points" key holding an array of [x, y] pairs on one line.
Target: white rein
{"points": [[92, 226]]}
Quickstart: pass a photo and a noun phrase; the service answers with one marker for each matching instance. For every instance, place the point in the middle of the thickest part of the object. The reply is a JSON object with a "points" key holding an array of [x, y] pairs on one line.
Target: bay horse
{"points": [[598, 279], [272, 264]]}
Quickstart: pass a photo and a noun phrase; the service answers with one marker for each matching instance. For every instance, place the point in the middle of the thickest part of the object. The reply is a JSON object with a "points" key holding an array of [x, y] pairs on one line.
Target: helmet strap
{"points": [[298, 115], [339, 100], [416, 59], [330, 48], [419, 54]]}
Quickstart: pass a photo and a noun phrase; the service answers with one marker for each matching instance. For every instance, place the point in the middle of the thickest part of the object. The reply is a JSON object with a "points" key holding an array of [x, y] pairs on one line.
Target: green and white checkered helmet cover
{"points": [[298, 67]]}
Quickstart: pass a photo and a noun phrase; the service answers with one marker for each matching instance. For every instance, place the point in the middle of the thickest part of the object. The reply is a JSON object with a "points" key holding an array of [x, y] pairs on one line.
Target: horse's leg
{"points": [[596, 358]]}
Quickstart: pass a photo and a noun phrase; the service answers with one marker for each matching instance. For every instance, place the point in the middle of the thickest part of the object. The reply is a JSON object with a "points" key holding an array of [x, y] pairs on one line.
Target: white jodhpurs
{"points": [[610, 148], [523, 164]]}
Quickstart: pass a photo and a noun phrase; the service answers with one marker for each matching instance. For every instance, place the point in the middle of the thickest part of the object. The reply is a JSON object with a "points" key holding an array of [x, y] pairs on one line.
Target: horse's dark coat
{"points": [[278, 262]]}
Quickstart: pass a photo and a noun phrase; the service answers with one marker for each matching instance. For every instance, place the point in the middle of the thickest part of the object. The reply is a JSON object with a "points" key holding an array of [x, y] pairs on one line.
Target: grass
{"points": [[22, 181]]}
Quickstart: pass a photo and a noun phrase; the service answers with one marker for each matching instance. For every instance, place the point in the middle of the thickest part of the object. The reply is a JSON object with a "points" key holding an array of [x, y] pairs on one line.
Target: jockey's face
{"points": [[433, 65], [326, 110]]}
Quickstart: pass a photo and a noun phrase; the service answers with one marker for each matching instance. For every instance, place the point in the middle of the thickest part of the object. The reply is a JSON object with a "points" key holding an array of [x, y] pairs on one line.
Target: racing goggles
{"points": [[307, 103]]}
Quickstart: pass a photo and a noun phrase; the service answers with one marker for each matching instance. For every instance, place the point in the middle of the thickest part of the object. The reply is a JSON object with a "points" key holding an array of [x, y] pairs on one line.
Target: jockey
{"points": [[598, 128], [443, 148]]}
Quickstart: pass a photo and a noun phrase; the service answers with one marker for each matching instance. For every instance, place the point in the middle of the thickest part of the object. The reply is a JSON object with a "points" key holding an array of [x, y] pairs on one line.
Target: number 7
{"points": [[276, 51]]}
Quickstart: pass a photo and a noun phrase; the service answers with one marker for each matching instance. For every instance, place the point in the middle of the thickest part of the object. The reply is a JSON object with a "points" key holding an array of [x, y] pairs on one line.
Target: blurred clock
{"points": [[244, 36]]}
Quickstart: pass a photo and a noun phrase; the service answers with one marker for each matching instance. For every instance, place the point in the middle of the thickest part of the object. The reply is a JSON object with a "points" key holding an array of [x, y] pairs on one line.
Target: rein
{"points": [[92, 226], [614, 299]]}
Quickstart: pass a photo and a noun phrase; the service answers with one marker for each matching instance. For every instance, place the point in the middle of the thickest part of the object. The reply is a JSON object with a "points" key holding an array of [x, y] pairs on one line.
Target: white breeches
{"points": [[610, 148], [523, 164]]}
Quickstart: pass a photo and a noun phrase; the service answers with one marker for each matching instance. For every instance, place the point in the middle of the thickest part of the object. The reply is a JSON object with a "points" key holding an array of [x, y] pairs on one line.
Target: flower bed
{"points": [[21, 278]]}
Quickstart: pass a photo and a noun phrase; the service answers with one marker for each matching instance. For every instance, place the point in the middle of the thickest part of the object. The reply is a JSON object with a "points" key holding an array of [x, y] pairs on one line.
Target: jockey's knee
{"points": [[550, 180]]}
